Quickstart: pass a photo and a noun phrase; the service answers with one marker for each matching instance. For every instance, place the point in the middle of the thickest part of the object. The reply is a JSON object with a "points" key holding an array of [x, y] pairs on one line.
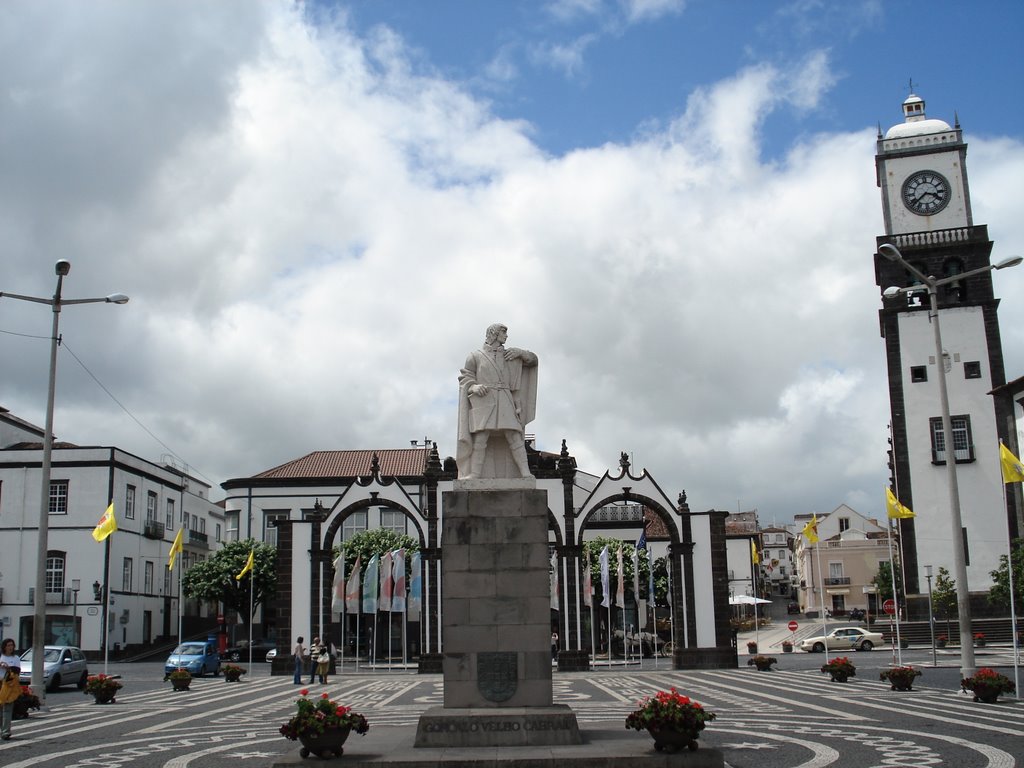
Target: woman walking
{"points": [[10, 685]]}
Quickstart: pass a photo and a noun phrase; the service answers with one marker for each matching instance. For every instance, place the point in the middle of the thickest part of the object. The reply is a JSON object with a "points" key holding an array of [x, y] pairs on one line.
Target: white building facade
{"points": [[151, 502]]}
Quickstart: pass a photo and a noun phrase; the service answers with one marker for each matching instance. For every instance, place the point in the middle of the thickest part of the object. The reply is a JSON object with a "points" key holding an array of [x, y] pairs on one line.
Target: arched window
{"points": [[957, 290], [55, 570]]}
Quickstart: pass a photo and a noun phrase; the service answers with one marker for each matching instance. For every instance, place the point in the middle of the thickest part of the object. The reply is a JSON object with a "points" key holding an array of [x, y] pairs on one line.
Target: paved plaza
{"points": [[786, 718]]}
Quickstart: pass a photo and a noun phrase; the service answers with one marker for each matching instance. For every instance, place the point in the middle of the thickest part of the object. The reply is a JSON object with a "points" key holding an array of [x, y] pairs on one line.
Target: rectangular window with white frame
{"points": [[129, 502], [127, 574], [169, 515], [147, 577], [963, 445], [269, 529], [393, 520], [354, 523], [59, 497], [151, 507]]}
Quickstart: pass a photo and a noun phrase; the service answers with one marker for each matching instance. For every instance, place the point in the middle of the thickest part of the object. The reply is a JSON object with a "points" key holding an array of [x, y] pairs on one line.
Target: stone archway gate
{"points": [[697, 551]]}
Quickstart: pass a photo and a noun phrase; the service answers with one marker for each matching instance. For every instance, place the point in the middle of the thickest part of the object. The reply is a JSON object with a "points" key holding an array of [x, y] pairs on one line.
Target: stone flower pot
{"points": [[673, 741], [325, 744]]}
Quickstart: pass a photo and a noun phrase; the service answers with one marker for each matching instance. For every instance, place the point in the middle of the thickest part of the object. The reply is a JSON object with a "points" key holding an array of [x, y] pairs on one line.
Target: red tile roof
{"points": [[393, 462]]}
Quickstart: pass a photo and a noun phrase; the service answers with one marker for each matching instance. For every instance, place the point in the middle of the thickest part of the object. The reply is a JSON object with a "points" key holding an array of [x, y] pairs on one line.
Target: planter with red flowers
{"points": [[901, 678], [26, 701], [103, 688], [322, 726], [674, 721], [840, 668], [987, 684]]}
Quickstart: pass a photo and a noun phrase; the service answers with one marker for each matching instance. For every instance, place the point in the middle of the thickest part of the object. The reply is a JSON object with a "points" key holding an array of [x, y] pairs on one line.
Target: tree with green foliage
{"points": [[999, 592], [592, 552], [944, 598], [884, 584], [213, 580]]}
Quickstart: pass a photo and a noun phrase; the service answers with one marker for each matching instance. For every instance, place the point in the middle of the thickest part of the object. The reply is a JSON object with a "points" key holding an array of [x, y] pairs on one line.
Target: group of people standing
{"points": [[319, 661]]}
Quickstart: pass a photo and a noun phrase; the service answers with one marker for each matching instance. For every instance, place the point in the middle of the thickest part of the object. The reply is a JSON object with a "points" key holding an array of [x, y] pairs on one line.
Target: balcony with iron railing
{"points": [[153, 530], [197, 539], [837, 581], [58, 597]]}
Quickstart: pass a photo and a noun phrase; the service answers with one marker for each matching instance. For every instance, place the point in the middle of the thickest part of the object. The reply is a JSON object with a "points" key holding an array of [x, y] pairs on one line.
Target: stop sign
{"points": [[792, 626], [889, 606]]}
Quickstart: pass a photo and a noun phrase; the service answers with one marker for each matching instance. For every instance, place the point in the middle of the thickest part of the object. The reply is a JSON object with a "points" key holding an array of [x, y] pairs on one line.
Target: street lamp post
{"points": [[892, 253], [931, 615], [61, 268], [76, 584]]}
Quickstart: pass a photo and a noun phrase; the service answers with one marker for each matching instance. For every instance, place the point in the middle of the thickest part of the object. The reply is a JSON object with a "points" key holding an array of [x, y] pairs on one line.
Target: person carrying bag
{"points": [[10, 688]]}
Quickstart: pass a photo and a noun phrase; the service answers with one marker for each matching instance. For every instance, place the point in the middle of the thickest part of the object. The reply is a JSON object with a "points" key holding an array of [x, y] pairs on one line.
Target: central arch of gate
{"points": [[695, 549]]}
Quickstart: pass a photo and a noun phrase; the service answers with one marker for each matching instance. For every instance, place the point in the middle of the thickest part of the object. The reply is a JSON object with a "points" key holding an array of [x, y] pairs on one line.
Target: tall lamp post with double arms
{"points": [[932, 285], [39, 619]]}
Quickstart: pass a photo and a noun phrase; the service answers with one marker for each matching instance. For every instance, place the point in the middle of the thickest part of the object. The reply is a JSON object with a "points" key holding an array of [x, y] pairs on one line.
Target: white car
{"points": [[843, 639]]}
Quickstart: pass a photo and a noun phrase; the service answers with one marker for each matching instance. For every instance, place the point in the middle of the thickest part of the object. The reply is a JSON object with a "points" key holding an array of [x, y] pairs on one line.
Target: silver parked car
{"points": [[62, 665]]}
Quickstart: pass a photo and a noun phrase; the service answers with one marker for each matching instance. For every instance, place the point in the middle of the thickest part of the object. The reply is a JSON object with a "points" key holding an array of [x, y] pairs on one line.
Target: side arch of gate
{"points": [[657, 506]]}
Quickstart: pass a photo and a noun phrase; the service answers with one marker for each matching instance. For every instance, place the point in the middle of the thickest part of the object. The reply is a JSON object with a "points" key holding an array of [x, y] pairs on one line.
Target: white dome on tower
{"points": [[915, 122]]}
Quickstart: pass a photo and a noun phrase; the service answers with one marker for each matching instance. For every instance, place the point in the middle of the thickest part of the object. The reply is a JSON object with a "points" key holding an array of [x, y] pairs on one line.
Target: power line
{"points": [[130, 415]]}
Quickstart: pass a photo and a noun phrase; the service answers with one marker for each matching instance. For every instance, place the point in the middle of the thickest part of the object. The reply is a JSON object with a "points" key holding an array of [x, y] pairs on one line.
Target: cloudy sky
{"points": [[317, 209]]}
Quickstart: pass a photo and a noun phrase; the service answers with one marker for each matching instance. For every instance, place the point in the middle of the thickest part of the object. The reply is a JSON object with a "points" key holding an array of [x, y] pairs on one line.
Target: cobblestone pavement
{"points": [[786, 718]]}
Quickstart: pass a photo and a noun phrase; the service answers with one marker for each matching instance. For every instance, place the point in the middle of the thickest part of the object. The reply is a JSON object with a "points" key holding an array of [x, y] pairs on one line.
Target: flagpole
{"points": [[753, 583], [671, 600], [344, 607], [252, 590], [608, 628], [1013, 613], [106, 603], [320, 602], [821, 581], [181, 567], [1013, 599], [897, 651]]}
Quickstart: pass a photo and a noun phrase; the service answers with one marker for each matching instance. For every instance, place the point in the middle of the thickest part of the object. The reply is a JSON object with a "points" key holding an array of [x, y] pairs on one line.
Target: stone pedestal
{"points": [[496, 625], [496, 611]]}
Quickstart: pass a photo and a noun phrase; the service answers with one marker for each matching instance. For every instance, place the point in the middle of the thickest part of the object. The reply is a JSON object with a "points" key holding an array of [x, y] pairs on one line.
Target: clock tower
{"points": [[926, 205]]}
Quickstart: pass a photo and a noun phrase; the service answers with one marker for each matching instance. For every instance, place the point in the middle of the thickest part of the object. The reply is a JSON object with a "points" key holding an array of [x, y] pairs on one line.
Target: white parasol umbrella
{"points": [[746, 600], [754, 601]]}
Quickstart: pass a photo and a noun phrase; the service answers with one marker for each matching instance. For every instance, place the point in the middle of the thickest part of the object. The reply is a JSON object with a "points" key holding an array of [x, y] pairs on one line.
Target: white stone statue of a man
{"points": [[497, 396]]}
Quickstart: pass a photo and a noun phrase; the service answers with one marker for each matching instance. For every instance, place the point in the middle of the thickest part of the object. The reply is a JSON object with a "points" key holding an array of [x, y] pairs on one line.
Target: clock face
{"points": [[926, 192]]}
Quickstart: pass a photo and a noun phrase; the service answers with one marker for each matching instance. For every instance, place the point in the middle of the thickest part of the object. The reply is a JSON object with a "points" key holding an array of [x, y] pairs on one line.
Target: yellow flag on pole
{"points": [[107, 524], [894, 508], [176, 549], [811, 529], [248, 566], [753, 553], [1013, 470]]}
